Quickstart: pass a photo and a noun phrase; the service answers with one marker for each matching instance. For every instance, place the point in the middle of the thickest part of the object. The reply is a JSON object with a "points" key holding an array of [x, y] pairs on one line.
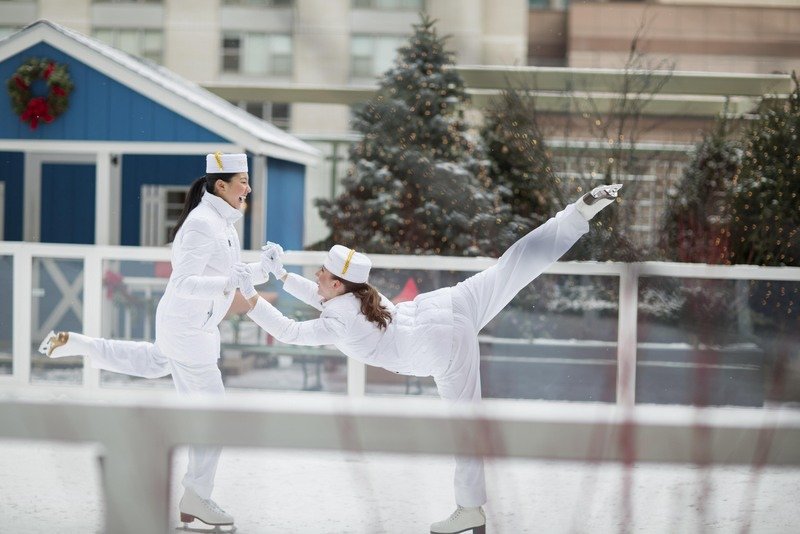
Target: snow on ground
{"points": [[54, 487]]}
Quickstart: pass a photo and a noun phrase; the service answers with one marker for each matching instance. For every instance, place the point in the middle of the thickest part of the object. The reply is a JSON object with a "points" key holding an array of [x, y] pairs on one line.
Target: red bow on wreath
{"points": [[36, 111]]}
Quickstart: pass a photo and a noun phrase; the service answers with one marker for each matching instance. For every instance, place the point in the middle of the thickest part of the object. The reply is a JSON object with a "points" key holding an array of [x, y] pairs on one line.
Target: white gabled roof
{"points": [[168, 89]]}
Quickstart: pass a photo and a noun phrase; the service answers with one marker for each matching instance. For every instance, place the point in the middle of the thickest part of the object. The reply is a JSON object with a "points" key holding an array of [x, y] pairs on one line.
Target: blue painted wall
{"points": [[285, 197], [100, 108], [12, 172]]}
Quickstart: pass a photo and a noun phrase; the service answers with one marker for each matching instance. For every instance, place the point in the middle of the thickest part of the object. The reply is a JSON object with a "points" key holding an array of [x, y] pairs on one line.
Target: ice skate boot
{"points": [[462, 520], [61, 344], [598, 198], [192, 507]]}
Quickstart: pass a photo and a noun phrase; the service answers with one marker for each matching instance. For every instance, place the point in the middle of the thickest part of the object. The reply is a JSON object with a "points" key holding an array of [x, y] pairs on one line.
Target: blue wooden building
{"points": [[113, 169]]}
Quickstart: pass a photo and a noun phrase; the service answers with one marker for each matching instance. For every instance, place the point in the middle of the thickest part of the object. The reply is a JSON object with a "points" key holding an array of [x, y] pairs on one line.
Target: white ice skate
{"points": [[598, 198], [462, 520], [53, 341], [192, 507]]}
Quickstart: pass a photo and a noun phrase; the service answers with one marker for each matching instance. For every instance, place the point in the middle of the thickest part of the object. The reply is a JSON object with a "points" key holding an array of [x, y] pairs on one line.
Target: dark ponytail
{"points": [[370, 302], [196, 190]]}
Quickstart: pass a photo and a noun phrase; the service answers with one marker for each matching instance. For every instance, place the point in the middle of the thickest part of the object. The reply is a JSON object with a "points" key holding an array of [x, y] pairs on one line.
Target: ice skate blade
{"points": [[208, 529], [475, 530]]}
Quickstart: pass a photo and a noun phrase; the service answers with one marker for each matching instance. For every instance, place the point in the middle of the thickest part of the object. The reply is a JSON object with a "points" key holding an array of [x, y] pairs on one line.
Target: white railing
{"points": [[137, 431], [93, 257]]}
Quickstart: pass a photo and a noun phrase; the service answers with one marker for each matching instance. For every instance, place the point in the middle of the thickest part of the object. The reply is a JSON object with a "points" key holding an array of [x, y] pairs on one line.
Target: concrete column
{"points": [[193, 38], [461, 19], [505, 32], [321, 55], [73, 14]]}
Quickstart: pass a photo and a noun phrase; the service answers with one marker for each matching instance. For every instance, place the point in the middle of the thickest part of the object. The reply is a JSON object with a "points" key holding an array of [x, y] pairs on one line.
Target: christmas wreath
{"points": [[32, 109]]}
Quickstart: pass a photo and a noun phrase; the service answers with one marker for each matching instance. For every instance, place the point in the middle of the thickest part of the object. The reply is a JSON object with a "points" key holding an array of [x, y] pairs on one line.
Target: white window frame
{"points": [[240, 51], [266, 112], [374, 69], [155, 224], [140, 35]]}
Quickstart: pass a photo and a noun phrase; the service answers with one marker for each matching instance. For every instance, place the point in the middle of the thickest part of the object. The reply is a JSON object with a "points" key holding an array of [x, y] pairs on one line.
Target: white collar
{"points": [[225, 210]]}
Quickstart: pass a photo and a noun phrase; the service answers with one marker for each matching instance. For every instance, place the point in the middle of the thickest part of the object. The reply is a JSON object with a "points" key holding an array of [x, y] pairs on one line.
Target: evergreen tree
{"points": [[521, 166], [696, 226], [418, 184], [766, 218]]}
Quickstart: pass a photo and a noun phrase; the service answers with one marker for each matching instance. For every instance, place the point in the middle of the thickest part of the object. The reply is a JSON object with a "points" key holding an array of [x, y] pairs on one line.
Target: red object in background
{"points": [[113, 282], [409, 292], [162, 269]]}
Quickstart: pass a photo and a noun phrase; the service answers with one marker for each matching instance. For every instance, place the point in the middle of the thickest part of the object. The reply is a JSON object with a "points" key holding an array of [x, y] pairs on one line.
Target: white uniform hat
{"points": [[218, 163], [348, 264]]}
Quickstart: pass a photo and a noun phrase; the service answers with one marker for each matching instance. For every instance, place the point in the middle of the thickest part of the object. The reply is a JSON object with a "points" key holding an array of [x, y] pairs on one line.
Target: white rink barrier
{"points": [[137, 431]]}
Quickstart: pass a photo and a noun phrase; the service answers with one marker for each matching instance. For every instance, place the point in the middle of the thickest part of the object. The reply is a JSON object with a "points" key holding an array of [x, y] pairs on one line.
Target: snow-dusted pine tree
{"points": [[418, 184], [697, 220]]}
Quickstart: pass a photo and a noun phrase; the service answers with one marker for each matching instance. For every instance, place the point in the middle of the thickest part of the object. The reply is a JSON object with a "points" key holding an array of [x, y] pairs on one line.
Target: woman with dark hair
{"points": [[434, 335], [205, 275]]}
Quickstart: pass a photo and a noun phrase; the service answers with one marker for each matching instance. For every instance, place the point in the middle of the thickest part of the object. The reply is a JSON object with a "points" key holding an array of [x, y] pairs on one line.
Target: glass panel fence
{"points": [[57, 304]]}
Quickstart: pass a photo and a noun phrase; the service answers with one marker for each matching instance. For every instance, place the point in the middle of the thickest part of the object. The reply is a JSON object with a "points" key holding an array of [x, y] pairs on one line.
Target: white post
{"points": [[22, 307], [626, 335], [92, 317], [102, 199], [258, 203], [356, 378]]}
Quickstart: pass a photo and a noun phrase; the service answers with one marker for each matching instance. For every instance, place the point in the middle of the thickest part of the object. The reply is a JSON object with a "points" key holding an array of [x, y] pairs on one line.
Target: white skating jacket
{"points": [[417, 342], [194, 303]]}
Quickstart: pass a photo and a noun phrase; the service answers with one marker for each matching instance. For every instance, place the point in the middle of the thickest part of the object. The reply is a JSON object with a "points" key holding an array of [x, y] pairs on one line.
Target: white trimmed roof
{"points": [[168, 89]]}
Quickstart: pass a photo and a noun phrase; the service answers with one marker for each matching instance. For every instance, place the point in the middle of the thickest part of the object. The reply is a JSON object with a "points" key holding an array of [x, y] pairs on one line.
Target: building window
{"points": [[257, 53], [259, 3], [148, 44], [160, 209], [370, 55], [415, 5], [278, 114]]}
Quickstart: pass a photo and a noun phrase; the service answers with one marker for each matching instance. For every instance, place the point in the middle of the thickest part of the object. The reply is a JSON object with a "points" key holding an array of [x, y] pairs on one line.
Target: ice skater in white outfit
{"points": [[434, 335], [205, 256]]}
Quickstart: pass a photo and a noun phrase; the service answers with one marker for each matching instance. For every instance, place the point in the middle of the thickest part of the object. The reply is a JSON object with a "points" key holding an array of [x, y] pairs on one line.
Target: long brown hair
{"points": [[204, 183], [370, 299]]}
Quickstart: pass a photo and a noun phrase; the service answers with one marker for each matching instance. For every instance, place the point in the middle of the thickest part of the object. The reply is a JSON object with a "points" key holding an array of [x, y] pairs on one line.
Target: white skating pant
{"points": [[476, 301], [138, 358]]}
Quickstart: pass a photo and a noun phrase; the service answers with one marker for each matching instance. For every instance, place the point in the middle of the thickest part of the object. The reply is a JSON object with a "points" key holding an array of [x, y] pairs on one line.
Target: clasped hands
{"points": [[241, 277]]}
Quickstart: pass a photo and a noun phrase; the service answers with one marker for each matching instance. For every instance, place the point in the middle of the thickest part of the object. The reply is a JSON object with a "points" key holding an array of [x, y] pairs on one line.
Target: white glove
{"points": [[271, 254], [233, 277], [598, 198], [246, 281]]}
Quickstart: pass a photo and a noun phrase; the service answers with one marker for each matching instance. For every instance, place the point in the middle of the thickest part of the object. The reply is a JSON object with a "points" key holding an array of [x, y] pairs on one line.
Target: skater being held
{"points": [[436, 334], [205, 275]]}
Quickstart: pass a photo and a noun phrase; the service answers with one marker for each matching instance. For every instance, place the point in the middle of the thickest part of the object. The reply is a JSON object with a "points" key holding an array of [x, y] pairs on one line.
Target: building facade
{"points": [[343, 45]]}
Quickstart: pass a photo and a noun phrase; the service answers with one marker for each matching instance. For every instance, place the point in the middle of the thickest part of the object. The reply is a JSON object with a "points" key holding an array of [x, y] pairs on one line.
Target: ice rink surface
{"points": [[55, 488]]}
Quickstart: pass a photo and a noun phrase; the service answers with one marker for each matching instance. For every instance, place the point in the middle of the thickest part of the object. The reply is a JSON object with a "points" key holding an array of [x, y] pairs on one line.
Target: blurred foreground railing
{"points": [[138, 431]]}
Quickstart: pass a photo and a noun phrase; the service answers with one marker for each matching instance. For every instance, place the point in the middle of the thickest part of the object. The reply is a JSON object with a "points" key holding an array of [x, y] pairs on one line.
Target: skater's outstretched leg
{"points": [[135, 358], [491, 290]]}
